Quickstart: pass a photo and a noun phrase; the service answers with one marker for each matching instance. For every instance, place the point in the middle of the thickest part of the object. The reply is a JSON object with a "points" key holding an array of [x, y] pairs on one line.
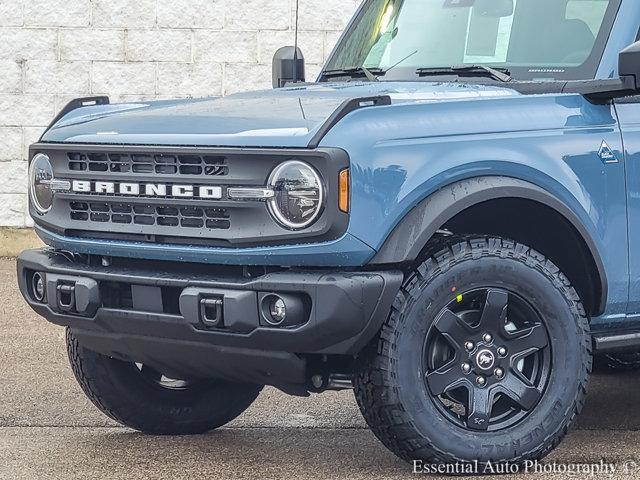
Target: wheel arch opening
{"points": [[544, 229]]}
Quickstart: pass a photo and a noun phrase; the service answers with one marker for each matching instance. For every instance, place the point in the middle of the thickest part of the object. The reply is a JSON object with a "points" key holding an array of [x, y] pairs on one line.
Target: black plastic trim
{"points": [[345, 109], [346, 308], [595, 91], [75, 104], [617, 342], [410, 236]]}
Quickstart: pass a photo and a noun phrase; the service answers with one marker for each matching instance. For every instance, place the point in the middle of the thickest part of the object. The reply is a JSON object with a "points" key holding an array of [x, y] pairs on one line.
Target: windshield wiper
{"points": [[356, 72], [500, 74], [372, 74]]}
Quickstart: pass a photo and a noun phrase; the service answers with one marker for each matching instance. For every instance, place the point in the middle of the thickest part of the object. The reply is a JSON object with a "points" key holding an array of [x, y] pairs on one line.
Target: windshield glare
{"points": [[546, 39]]}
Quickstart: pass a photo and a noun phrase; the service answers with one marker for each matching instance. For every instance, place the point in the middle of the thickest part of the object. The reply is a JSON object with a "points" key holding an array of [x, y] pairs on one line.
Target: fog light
{"points": [[278, 311], [37, 284]]}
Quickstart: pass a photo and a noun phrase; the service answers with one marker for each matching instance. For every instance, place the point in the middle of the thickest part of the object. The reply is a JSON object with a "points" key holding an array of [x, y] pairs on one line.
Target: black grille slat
{"points": [[120, 218], [192, 222], [99, 217], [218, 224], [81, 216], [144, 220], [156, 214], [148, 215], [144, 164]]}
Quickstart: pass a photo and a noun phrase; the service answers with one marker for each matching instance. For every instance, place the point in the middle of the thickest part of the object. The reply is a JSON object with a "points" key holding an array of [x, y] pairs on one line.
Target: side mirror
{"points": [[629, 65], [288, 67], [603, 91]]}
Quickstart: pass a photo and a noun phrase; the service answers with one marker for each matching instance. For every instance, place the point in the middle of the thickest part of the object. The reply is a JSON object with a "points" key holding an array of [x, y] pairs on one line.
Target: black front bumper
{"points": [[186, 320]]}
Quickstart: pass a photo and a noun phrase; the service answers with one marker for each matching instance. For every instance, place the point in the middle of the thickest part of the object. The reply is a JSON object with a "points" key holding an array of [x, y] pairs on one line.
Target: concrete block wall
{"points": [[54, 50]]}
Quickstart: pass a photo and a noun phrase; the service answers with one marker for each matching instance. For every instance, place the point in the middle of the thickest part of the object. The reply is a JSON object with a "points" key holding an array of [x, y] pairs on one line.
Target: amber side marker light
{"points": [[343, 201]]}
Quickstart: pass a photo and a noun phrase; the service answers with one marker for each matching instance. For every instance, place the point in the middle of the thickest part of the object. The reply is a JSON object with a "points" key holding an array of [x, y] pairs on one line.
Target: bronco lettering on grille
{"points": [[147, 189]]}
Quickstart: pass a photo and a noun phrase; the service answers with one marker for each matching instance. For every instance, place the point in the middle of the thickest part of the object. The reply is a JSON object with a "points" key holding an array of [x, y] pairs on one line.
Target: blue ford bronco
{"points": [[446, 221]]}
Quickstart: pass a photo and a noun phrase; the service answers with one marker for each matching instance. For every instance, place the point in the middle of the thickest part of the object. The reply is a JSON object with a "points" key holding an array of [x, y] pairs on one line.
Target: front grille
{"points": [[160, 215], [148, 163]]}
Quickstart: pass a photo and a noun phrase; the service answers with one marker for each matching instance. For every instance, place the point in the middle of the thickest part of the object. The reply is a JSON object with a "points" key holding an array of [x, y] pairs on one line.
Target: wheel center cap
{"points": [[485, 359]]}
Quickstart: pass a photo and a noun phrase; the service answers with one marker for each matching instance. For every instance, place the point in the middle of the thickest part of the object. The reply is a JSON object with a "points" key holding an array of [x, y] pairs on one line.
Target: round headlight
{"points": [[40, 177], [298, 195]]}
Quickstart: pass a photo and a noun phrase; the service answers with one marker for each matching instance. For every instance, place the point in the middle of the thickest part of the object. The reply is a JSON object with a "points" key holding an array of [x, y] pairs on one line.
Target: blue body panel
{"points": [[432, 135], [287, 117], [552, 141], [629, 115], [346, 251]]}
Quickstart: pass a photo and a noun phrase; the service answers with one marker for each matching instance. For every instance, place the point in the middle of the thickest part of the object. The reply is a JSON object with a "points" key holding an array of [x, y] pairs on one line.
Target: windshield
{"points": [[533, 39]]}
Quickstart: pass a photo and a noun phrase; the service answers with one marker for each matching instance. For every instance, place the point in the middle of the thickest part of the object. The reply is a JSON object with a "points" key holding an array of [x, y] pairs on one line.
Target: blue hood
{"points": [[288, 117]]}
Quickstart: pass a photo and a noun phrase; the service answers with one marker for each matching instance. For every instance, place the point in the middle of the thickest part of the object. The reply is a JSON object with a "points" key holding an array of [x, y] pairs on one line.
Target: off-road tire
{"points": [[120, 392], [391, 391]]}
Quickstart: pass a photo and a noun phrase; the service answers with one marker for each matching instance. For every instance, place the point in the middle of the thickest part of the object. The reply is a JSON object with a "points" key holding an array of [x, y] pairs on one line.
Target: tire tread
{"points": [[375, 384]]}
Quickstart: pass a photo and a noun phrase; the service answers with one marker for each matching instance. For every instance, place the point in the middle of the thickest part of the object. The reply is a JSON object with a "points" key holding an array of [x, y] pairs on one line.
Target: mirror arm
{"points": [[603, 91]]}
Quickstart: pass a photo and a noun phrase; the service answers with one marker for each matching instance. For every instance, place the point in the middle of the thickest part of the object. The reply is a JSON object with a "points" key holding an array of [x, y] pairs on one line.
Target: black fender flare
{"points": [[410, 236]]}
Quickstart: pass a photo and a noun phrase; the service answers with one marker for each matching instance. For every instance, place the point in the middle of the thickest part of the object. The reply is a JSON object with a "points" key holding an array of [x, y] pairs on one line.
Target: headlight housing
{"points": [[298, 195], [40, 180]]}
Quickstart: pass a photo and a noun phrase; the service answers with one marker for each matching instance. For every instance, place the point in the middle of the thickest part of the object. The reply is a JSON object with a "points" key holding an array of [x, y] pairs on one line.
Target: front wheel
{"points": [[485, 357], [142, 398]]}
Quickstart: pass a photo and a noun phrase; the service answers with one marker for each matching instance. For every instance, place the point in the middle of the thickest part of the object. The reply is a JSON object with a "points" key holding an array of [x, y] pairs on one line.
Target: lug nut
{"points": [[502, 352], [481, 381], [466, 368], [498, 372], [469, 346], [487, 337]]}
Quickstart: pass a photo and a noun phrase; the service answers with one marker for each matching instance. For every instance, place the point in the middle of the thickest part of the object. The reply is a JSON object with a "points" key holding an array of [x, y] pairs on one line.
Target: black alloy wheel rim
{"points": [[487, 359]]}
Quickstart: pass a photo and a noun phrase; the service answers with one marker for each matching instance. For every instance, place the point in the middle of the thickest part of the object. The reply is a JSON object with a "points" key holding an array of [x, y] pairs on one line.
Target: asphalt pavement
{"points": [[49, 430]]}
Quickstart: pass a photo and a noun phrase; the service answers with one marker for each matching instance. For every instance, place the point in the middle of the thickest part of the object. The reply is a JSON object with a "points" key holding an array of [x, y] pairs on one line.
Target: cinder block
{"points": [[326, 14], [10, 13], [57, 13], [159, 45], [257, 15], [10, 76], [225, 46], [240, 77], [14, 177], [21, 44], [191, 14], [192, 80], [92, 44], [110, 78], [57, 77], [26, 110], [10, 144], [12, 209], [124, 13]]}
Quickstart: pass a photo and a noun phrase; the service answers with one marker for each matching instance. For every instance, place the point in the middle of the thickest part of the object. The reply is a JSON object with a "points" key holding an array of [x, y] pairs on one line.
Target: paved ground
{"points": [[49, 430]]}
